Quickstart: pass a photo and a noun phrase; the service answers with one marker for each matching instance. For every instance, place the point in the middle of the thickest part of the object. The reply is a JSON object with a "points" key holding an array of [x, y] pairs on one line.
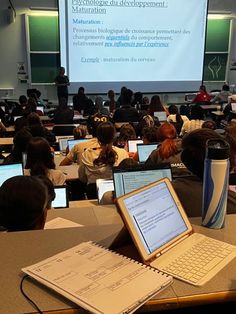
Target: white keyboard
{"points": [[201, 262]]}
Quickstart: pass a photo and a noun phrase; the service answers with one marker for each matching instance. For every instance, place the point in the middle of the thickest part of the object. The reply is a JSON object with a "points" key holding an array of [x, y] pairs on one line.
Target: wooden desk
{"points": [[6, 141]]}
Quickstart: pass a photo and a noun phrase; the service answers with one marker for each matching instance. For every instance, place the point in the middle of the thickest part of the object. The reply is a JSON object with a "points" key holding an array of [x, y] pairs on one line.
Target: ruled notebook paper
{"points": [[98, 279]]}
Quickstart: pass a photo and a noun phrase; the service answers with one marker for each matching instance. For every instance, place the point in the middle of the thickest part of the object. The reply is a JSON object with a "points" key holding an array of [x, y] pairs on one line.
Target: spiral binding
{"points": [[155, 270]]}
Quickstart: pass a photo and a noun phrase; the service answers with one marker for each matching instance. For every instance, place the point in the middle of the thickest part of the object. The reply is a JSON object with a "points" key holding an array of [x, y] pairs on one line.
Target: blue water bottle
{"points": [[215, 183]]}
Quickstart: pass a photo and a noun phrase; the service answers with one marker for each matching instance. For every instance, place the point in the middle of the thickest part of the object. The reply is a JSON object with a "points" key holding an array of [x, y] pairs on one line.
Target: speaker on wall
{"points": [[10, 15]]}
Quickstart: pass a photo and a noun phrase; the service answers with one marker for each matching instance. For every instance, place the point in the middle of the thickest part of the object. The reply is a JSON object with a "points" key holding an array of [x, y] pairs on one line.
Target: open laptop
{"points": [[40, 108], [61, 199], [127, 180], [63, 143], [103, 186], [10, 170], [161, 115], [144, 150], [165, 238], [233, 106], [72, 142], [132, 145]]}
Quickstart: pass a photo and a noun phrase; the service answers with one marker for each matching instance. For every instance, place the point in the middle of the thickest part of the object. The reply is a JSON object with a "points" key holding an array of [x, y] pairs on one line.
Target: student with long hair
{"points": [[40, 161], [169, 151], [156, 105], [97, 161]]}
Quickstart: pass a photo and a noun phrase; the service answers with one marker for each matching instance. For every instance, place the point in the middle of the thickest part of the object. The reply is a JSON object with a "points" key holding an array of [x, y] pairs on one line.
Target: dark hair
{"points": [[155, 105], [22, 99], [127, 96], [39, 157], [150, 133], [33, 119], [197, 112], [50, 189], [225, 87], [202, 88], [167, 134], [194, 148], [209, 124], [105, 135], [94, 121], [62, 103], [80, 132], [22, 203], [128, 163]]}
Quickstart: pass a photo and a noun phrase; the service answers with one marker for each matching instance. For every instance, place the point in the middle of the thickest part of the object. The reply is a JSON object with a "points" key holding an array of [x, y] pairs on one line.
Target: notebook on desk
{"points": [[10, 170], [127, 180], [132, 145], [164, 236], [144, 150]]}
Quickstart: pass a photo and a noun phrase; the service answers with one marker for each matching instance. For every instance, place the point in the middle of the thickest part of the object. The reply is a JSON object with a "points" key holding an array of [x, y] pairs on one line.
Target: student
{"points": [[62, 82], [80, 100], [63, 114], [156, 106], [223, 96], [23, 202], [202, 96], [97, 162], [126, 113], [111, 103], [169, 150], [195, 122], [40, 161], [189, 189]]}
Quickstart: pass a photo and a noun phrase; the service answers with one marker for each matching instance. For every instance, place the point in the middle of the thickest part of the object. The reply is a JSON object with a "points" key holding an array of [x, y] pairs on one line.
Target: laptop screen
{"points": [[40, 108], [161, 115], [72, 143], [233, 106], [126, 181], [63, 142], [154, 216], [10, 170], [144, 150], [61, 199], [103, 186], [132, 145]]}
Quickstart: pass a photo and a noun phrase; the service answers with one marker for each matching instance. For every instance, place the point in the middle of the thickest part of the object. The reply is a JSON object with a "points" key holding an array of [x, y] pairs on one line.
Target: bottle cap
{"points": [[217, 149]]}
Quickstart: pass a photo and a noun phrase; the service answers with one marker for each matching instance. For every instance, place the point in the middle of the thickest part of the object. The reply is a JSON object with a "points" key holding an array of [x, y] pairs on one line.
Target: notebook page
{"points": [[98, 279]]}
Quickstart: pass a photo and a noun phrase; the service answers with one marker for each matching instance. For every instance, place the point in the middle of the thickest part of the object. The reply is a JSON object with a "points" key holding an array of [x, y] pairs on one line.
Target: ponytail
{"points": [[107, 156], [167, 148]]}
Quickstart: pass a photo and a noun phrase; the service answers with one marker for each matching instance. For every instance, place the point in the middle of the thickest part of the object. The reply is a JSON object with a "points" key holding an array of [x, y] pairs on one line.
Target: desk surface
{"points": [[32, 246]]}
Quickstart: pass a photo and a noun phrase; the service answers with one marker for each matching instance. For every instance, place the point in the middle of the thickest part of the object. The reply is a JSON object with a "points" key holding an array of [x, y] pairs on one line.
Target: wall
{"points": [[13, 46]]}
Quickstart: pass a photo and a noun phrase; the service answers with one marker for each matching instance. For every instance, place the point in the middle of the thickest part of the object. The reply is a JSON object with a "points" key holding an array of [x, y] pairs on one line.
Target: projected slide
{"points": [[151, 46]]}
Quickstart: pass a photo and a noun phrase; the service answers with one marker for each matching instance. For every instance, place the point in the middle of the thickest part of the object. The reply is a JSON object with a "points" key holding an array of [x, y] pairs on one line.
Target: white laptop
{"points": [[72, 142], [127, 180], [103, 186], [164, 236], [132, 145], [40, 108], [61, 199], [161, 115], [233, 106], [144, 150], [10, 170]]}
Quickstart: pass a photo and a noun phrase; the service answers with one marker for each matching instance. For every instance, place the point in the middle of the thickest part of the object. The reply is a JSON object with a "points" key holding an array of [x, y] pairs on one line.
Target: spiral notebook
{"points": [[99, 280]]}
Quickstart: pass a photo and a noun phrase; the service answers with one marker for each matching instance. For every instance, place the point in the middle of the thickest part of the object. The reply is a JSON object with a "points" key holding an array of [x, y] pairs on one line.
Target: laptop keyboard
{"points": [[201, 262]]}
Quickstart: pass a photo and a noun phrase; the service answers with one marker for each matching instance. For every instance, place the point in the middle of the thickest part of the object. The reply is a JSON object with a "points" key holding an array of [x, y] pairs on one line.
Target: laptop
{"points": [[61, 199], [72, 142], [233, 106], [161, 115], [40, 108], [144, 150], [165, 238], [132, 145], [103, 186], [10, 170], [16, 117], [127, 180], [63, 143]]}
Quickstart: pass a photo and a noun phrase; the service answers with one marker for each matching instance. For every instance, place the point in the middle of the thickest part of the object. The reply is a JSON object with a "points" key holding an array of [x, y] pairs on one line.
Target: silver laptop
{"points": [[104, 186], [165, 238], [127, 180], [61, 199], [144, 150], [63, 143], [132, 145], [161, 115], [10, 170]]}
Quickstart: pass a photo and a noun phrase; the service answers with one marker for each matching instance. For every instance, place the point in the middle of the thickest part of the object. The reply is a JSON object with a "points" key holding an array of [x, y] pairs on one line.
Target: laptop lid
{"points": [[61, 199], [161, 115], [144, 150], [10, 170], [103, 186], [63, 142], [127, 180], [233, 106], [72, 143], [132, 145], [40, 108], [154, 217]]}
